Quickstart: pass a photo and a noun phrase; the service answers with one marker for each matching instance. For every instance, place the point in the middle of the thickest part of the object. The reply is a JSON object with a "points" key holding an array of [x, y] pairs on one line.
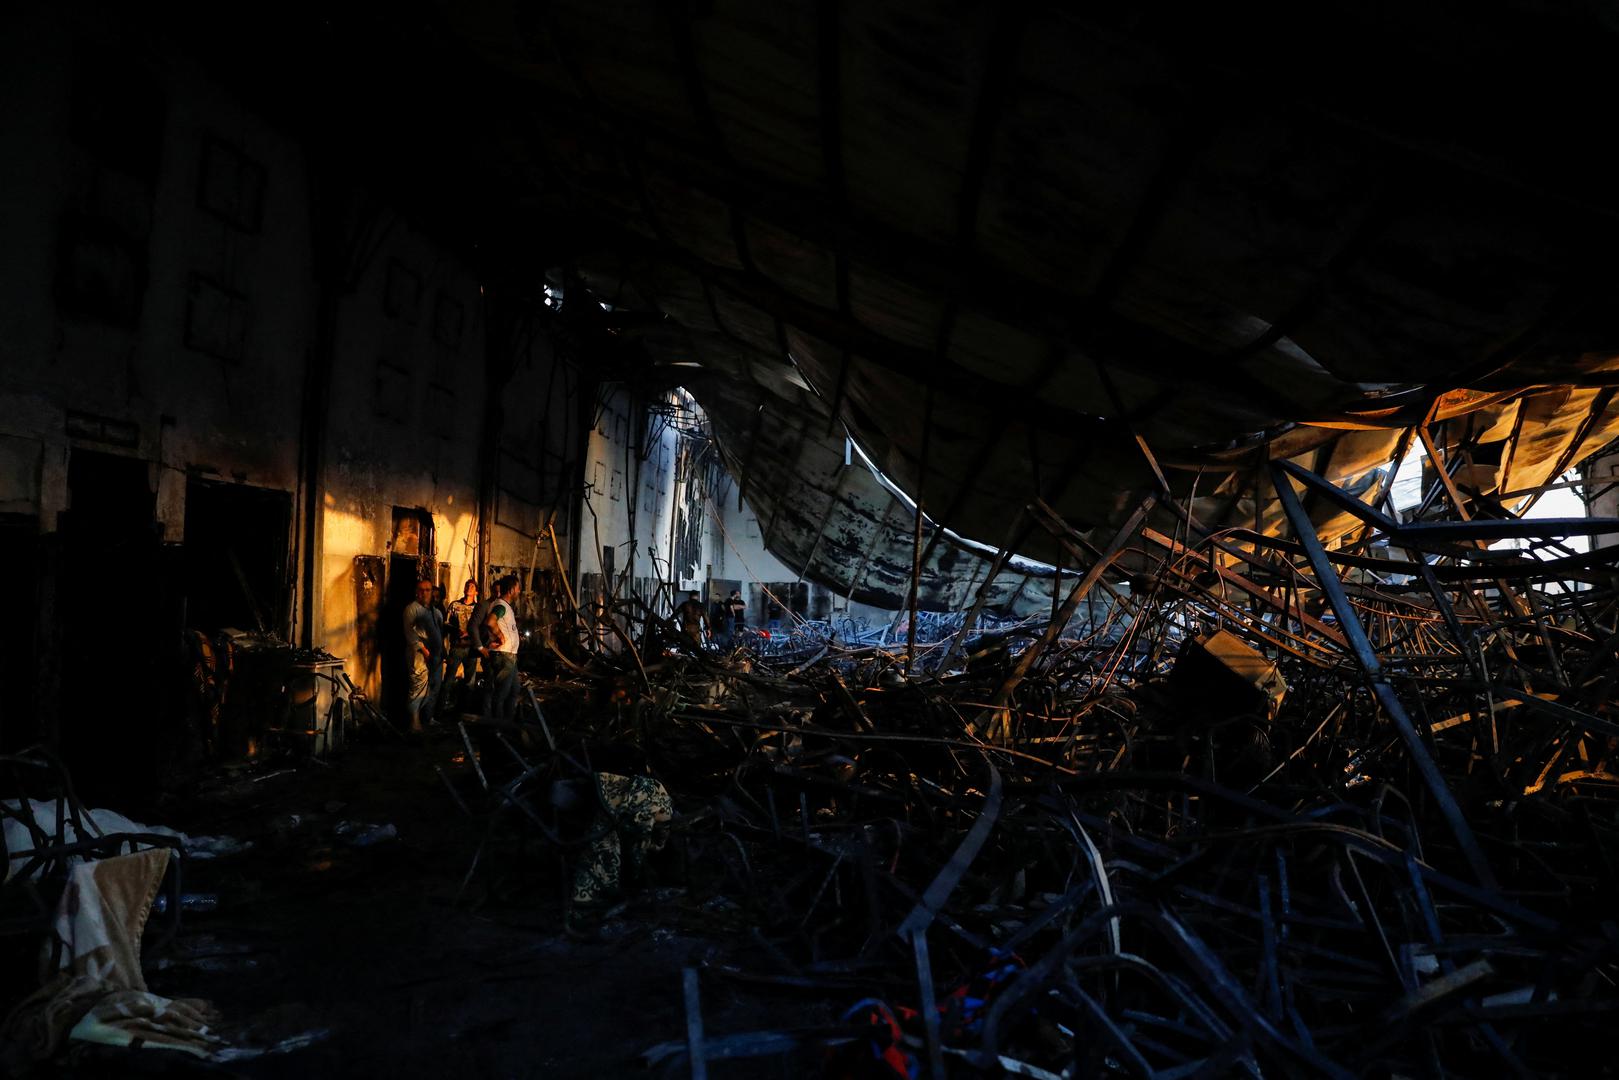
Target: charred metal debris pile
{"points": [[1282, 811]]}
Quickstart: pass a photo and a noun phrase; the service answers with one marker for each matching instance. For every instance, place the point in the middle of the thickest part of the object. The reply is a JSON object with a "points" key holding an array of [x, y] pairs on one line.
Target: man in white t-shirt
{"points": [[499, 650]]}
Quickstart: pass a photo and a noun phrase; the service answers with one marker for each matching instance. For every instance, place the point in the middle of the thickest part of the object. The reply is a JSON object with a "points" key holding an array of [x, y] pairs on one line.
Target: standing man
{"points": [[458, 630], [499, 651], [480, 616], [738, 609], [440, 628], [425, 653], [693, 620]]}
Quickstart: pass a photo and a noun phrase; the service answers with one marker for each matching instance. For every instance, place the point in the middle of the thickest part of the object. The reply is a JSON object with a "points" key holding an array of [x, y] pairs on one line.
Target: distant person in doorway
{"points": [[738, 609], [693, 620], [425, 645], [499, 651], [719, 623]]}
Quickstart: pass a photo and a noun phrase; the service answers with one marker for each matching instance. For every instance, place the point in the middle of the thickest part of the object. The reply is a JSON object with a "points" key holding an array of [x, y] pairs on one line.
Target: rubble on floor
{"points": [[1260, 815], [1212, 832]]}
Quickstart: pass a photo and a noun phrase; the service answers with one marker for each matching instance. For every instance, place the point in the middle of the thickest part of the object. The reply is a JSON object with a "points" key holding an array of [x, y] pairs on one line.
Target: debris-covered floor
{"points": [[1264, 809], [356, 960], [328, 953]]}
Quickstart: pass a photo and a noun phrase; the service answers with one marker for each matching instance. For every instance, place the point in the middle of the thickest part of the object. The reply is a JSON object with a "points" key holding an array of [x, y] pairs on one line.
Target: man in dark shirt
{"points": [[463, 664], [693, 620]]}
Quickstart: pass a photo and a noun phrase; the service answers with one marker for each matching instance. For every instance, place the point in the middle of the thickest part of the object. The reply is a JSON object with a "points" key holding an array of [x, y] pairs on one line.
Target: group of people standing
{"points": [[450, 646], [466, 644]]}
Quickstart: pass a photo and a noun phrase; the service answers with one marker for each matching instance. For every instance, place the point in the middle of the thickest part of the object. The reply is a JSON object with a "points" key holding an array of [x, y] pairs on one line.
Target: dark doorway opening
{"points": [[19, 553], [410, 560], [118, 629], [236, 557], [780, 597]]}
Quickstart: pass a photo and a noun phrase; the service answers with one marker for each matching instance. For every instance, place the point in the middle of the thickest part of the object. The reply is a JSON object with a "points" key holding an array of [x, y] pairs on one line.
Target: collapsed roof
{"points": [[1025, 252]]}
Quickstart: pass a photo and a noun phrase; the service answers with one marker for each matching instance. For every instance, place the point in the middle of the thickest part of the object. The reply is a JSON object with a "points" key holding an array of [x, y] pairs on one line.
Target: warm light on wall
{"points": [[349, 533]]}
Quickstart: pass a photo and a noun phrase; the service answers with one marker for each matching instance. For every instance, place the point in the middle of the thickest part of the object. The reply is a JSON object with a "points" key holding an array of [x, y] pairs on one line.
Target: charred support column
{"points": [[497, 367], [585, 405], [346, 232], [1372, 669], [316, 410], [507, 320], [916, 581], [916, 536]]}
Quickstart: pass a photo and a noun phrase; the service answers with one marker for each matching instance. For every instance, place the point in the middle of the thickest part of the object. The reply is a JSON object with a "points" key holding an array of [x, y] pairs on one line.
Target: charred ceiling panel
{"points": [[837, 523]]}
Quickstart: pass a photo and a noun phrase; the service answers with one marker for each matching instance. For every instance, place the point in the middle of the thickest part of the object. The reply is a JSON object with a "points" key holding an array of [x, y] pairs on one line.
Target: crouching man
{"points": [[631, 820]]}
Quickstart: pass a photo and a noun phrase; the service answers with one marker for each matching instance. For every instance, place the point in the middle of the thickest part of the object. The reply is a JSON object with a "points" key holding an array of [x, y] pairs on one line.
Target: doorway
{"points": [[118, 628], [236, 540], [777, 598], [20, 554], [410, 559]]}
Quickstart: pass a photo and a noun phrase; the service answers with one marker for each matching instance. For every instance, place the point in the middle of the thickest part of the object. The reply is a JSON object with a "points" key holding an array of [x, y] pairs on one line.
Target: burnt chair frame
{"points": [[30, 896]]}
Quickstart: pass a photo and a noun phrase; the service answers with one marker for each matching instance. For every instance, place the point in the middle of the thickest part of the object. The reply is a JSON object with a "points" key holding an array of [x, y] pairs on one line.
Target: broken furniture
{"points": [[47, 831], [317, 707]]}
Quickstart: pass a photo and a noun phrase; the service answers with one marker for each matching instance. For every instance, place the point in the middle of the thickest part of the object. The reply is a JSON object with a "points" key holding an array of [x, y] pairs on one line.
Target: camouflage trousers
{"points": [[632, 819]]}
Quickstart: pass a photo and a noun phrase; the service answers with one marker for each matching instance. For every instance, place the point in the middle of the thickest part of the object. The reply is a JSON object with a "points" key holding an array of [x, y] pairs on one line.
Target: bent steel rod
{"points": [[995, 567], [1366, 657]]}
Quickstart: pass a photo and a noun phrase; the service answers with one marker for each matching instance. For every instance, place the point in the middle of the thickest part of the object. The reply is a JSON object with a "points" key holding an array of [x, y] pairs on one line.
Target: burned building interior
{"points": [[808, 539]]}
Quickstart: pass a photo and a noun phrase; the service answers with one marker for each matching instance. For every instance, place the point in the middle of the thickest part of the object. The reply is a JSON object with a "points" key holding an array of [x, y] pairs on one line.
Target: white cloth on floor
{"points": [[98, 823]]}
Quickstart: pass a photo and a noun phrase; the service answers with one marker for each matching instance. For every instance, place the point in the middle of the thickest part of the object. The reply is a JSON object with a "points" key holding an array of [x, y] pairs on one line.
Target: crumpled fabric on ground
{"points": [[137, 1018], [100, 994], [883, 1055], [961, 1014], [632, 820]]}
